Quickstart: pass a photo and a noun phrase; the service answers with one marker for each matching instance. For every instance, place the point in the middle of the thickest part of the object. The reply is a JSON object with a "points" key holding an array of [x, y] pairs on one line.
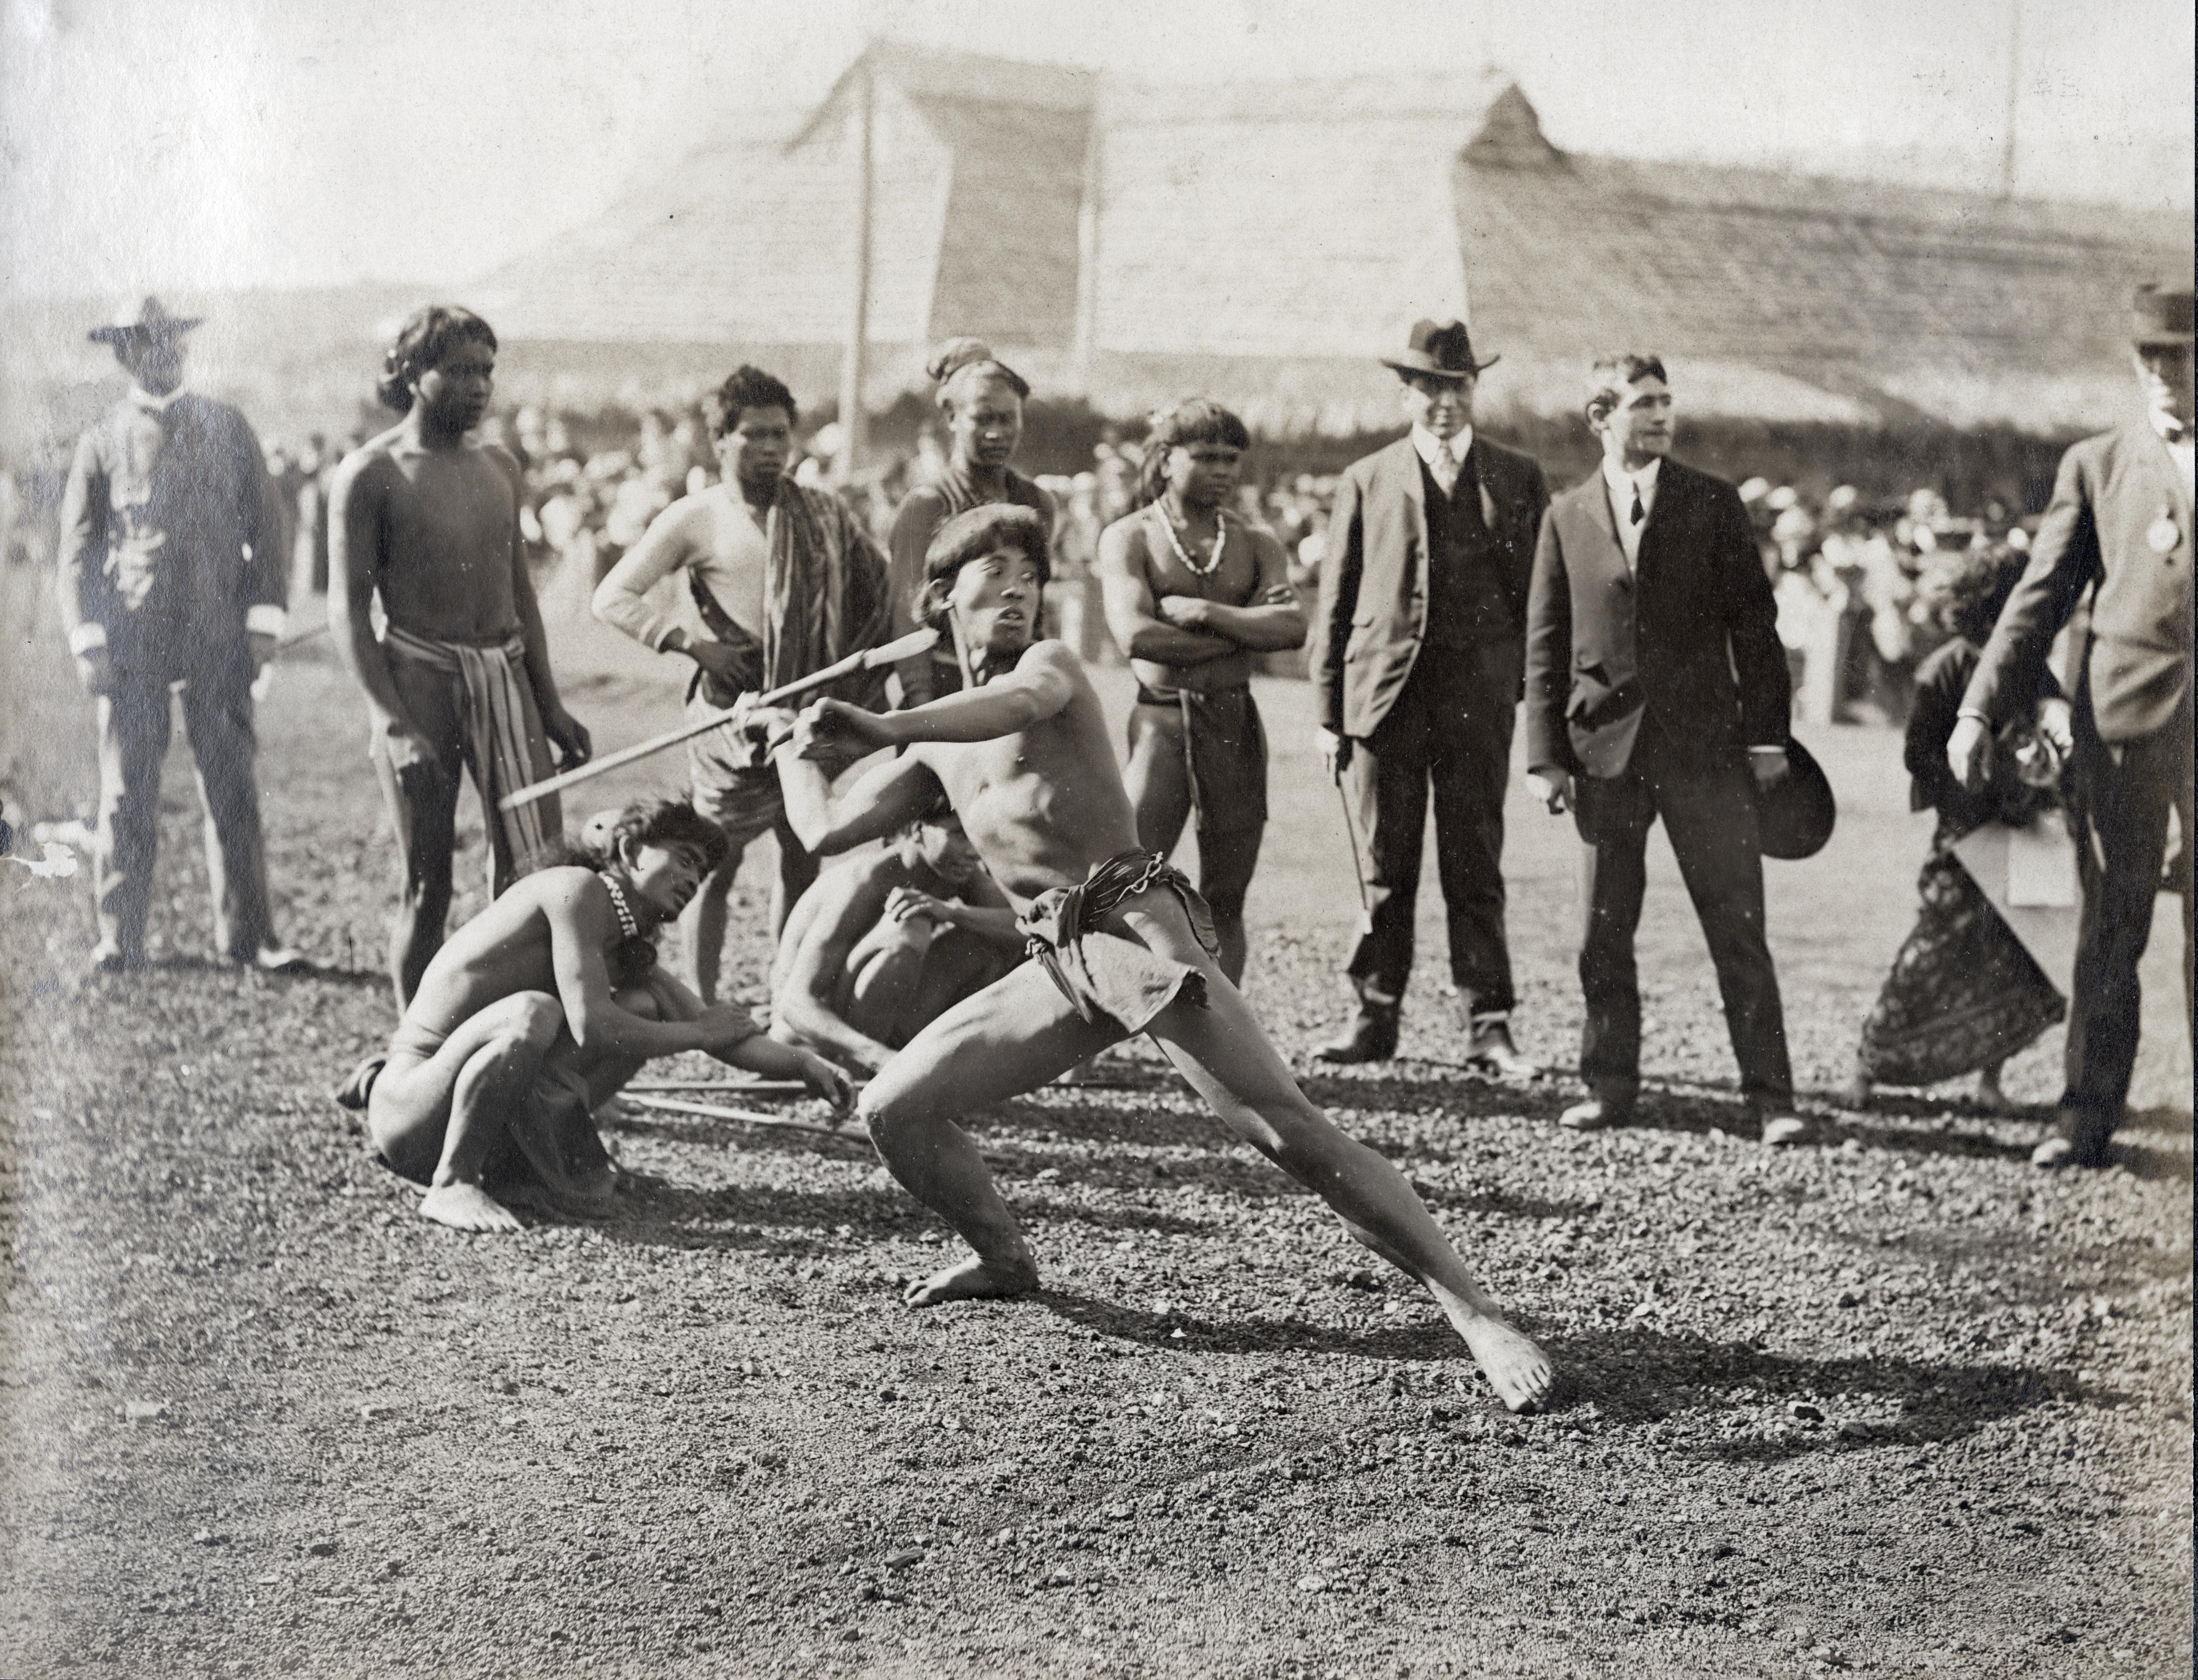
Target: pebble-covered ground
{"points": [[1891, 1404]]}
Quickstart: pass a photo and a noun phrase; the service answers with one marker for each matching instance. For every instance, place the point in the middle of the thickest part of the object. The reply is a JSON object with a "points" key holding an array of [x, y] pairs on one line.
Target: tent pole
{"points": [[854, 420]]}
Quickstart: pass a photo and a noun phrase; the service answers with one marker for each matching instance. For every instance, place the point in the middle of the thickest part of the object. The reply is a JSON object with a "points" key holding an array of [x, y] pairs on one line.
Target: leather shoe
{"points": [[110, 959], [1489, 1049], [1372, 1037], [273, 959], [1782, 1127], [2076, 1140], [1597, 1113]]}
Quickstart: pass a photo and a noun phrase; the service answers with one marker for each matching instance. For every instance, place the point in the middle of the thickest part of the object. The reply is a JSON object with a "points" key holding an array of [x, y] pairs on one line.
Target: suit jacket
{"points": [[170, 537], [1690, 637], [1372, 615], [2094, 566]]}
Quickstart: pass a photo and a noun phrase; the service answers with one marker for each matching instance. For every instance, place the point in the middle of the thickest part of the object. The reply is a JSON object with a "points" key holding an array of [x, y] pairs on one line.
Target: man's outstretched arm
{"points": [[883, 801], [1033, 691]]}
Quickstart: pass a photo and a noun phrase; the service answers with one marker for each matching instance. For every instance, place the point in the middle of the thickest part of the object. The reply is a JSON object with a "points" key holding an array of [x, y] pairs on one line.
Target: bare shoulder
{"points": [[1265, 545], [1122, 542], [566, 889], [367, 466], [502, 459]]}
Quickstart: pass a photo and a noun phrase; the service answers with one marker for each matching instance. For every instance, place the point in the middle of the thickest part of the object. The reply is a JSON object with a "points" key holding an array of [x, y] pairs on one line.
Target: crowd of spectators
{"points": [[1846, 568]]}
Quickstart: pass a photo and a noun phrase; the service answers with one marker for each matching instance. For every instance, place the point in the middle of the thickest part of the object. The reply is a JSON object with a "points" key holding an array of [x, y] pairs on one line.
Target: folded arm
{"points": [[1133, 616]]}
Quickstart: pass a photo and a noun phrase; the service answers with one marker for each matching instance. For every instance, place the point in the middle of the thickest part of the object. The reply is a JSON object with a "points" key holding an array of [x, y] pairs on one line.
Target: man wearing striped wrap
{"points": [[428, 519]]}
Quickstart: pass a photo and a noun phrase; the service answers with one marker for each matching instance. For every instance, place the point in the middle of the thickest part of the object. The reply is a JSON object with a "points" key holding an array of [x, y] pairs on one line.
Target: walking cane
{"points": [[1351, 829], [916, 641]]}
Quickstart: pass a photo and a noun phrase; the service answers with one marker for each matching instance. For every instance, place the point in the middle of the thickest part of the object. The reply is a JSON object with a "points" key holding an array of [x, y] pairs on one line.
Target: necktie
{"points": [[1640, 513], [1445, 466]]}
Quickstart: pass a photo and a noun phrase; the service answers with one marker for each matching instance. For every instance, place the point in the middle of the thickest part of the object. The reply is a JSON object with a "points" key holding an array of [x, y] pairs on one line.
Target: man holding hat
{"points": [[172, 573], [1657, 689], [1417, 650], [2112, 563]]}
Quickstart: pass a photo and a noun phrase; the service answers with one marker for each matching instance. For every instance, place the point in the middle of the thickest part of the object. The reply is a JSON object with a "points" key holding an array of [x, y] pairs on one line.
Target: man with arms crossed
{"points": [[1416, 667], [1122, 943], [1193, 594], [539, 1009], [429, 518], [882, 943], [1656, 686], [785, 582], [2112, 559]]}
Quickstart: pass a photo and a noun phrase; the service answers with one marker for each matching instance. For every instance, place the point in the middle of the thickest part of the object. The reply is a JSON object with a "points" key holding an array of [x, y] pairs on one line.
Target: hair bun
{"points": [[955, 355]]}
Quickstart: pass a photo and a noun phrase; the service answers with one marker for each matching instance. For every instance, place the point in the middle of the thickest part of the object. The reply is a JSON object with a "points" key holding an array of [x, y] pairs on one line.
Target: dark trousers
{"points": [[2125, 791], [133, 740], [1450, 730], [1709, 816]]}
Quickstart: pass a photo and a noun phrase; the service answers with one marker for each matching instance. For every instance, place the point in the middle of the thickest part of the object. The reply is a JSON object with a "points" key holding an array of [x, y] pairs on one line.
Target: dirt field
{"points": [[1893, 1405]]}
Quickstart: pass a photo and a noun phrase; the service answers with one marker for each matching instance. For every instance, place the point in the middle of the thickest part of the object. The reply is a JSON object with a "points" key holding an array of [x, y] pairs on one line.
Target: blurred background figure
{"points": [[1964, 994]]}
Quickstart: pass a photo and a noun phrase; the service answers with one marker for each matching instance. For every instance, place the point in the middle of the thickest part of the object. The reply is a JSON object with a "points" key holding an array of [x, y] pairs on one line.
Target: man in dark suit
{"points": [[1656, 686], [1416, 658], [2111, 561], [173, 571]]}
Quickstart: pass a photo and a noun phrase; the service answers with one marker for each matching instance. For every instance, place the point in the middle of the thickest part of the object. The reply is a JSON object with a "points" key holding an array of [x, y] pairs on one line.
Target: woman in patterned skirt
{"points": [[1964, 994]]}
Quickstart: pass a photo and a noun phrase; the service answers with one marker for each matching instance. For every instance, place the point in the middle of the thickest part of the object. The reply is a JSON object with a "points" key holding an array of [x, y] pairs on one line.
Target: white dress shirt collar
{"points": [[146, 400], [1430, 445], [1622, 487]]}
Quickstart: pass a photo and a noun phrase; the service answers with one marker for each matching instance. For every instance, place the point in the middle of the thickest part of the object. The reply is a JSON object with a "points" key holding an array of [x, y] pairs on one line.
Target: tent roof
{"points": [[1265, 242]]}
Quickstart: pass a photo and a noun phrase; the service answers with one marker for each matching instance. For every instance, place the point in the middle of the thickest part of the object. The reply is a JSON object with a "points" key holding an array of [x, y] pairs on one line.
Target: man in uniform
{"points": [[172, 574], [1417, 657], [2111, 561]]}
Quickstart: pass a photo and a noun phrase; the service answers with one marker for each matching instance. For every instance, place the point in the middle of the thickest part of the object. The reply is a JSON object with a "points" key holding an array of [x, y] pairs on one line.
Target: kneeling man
{"points": [[881, 946], [539, 1009], [1122, 943]]}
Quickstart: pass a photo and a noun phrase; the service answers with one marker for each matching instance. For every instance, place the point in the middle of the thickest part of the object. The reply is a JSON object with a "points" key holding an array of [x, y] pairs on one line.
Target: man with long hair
{"points": [[426, 517], [783, 581], [1194, 596], [1120, 943], [538, 1011], [981, 399]]}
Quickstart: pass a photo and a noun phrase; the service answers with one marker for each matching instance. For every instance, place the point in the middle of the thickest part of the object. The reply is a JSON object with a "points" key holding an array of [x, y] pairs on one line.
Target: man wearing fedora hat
{"points": [[172, 573], [1417, 650], [2111, 562], [1657, 688]]}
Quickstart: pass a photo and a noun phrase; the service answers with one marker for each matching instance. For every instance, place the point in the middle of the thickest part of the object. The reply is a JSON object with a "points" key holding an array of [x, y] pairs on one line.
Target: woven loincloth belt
{"points": [[1106, 976]]}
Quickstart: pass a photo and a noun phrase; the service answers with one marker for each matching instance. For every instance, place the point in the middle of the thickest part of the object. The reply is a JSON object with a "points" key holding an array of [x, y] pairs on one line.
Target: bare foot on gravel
{"points": [[974, 1279], [1521, 1372], [468, 1208]]}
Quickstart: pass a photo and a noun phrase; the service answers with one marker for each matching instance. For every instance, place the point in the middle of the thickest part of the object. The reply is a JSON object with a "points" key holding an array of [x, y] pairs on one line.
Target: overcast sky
{"points": [[285, 143]]}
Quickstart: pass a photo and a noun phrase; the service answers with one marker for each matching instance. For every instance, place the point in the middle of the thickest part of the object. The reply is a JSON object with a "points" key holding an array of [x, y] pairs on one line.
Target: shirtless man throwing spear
{"points": [[1122, 943]]}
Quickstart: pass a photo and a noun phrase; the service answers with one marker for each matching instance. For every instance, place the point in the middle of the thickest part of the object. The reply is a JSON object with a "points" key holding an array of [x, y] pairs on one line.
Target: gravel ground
{"points": [[1893, 1404]]}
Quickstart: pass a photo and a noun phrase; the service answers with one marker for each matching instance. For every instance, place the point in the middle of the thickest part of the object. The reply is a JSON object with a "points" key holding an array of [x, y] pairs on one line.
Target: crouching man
{"points": [[884, 944], [538, 1011]]}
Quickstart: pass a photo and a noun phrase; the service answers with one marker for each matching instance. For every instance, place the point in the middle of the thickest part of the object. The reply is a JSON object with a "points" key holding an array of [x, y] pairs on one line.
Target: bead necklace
{"points": [[627, 925], [1220, 541]]}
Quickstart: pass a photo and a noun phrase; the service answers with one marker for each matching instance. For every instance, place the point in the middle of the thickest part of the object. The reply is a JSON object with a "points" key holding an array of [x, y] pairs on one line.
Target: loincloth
{"points": [[1108, 977], [1224, 750], [494, 702]]}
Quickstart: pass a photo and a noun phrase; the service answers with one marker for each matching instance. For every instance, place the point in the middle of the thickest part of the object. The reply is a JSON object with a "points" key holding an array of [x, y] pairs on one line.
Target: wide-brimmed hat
{"points": [[1794, 816], [2160, 316], [147, 319], [1439, 349]]}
